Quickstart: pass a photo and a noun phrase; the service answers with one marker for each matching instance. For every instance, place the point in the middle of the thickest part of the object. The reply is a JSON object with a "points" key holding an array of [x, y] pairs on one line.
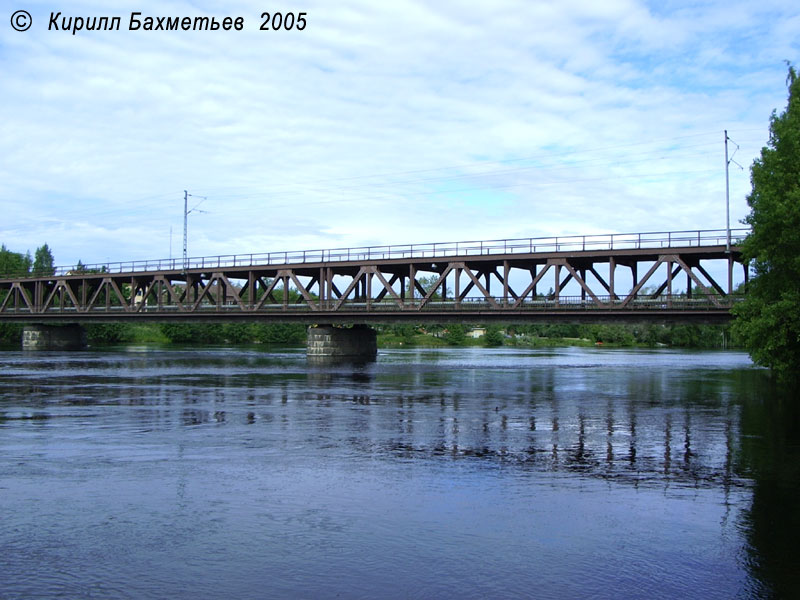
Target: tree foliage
{"points": [[609, 334], [427, 284], [10, 333], [456, 335], [234, 333], [14, 264], [43, 261], [107, 333], [768, 320], [493, 337]]}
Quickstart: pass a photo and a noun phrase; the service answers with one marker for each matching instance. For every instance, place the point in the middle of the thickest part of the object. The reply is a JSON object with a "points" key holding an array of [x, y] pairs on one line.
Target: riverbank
{"points": [[420, 340], [405, 335]]}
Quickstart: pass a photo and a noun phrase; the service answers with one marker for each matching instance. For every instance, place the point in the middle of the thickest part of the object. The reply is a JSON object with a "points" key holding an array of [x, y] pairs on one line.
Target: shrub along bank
{"points": [[195, 333], [650, 335], [681, 336]]}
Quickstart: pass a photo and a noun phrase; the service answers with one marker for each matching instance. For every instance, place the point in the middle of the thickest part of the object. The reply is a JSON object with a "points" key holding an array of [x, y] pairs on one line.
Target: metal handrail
{"points": [[612, 241]]}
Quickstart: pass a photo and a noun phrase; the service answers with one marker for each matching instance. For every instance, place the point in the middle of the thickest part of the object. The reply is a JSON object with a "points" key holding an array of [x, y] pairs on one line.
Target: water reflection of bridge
{"points": [[628, 444], [620, 424], [655, 430]]}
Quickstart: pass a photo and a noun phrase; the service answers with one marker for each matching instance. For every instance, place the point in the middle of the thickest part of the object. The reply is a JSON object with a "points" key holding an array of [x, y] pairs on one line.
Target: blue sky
{"points": [[382, 123]]}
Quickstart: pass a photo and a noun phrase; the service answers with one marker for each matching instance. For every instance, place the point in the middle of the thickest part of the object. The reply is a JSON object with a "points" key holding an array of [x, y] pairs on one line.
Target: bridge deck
{"points": [[477, 281]]}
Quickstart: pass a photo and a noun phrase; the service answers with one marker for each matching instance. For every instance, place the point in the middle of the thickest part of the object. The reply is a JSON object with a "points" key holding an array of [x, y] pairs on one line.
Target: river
{"points": [[434, 473]]}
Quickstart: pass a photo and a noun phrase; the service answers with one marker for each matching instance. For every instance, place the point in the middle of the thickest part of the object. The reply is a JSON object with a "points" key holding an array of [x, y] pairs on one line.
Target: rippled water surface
{"points": [[469, 473]]}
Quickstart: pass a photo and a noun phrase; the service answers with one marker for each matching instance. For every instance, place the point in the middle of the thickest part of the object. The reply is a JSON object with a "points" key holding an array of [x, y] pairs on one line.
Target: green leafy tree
{"points": [[107, 333], [404, 331], [493, 337], [456, 335], [236, 333], [43, 261], [82, 268], [427, 284], [10, 333], [686, 336], [178, 333], [14, 264], [279, 333], [768, 320], [612, 334], [233, 333], [194, 333]]}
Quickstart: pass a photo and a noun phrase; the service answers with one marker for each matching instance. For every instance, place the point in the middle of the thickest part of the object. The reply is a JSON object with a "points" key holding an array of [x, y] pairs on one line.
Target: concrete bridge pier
{"points": [[354, 343], [53, 337]]}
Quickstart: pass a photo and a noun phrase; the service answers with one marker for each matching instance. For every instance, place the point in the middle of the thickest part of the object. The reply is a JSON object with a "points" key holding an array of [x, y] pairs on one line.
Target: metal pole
{"points": [[727, 199], [186, 223]]}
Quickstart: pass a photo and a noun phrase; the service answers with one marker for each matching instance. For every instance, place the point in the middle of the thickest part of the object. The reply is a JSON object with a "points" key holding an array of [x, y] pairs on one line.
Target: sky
{"points": [[381, 123]]}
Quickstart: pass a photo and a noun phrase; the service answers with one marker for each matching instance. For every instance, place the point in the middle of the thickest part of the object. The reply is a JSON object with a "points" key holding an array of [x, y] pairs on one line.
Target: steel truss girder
{"points": [[389, 287]]}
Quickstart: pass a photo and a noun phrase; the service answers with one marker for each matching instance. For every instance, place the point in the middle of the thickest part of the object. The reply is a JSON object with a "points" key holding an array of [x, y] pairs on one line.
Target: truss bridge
{"points": [[668, 276]]}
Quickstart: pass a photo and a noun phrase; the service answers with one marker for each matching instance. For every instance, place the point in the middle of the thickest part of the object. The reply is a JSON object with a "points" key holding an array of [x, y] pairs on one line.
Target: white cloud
{"points": [[383, 123]]}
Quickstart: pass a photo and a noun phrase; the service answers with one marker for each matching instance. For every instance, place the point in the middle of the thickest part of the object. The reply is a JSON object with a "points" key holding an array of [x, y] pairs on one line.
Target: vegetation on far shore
{"points": [[533, 335], [405, 335]]}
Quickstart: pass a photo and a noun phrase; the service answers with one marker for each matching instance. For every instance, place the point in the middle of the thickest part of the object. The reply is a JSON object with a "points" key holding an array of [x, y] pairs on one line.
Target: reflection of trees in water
{"points": [[769, 453]]}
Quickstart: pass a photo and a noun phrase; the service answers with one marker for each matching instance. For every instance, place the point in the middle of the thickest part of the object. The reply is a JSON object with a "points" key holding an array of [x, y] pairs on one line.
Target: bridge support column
{"points": [[358, 342], [53, 337]]}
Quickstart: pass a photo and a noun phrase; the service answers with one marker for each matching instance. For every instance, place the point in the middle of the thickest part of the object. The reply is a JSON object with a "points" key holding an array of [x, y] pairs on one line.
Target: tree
{"points": [[768, 319], [10, 333], [456, 335], [43, 261], [427, 284], [107, 333], [405, 331], [13, 264], [612, 334], [493, 337]]}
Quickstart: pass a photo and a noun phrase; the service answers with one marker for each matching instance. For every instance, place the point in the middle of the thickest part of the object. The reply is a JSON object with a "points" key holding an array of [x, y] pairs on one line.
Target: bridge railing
{"points": [[613, 241]]}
